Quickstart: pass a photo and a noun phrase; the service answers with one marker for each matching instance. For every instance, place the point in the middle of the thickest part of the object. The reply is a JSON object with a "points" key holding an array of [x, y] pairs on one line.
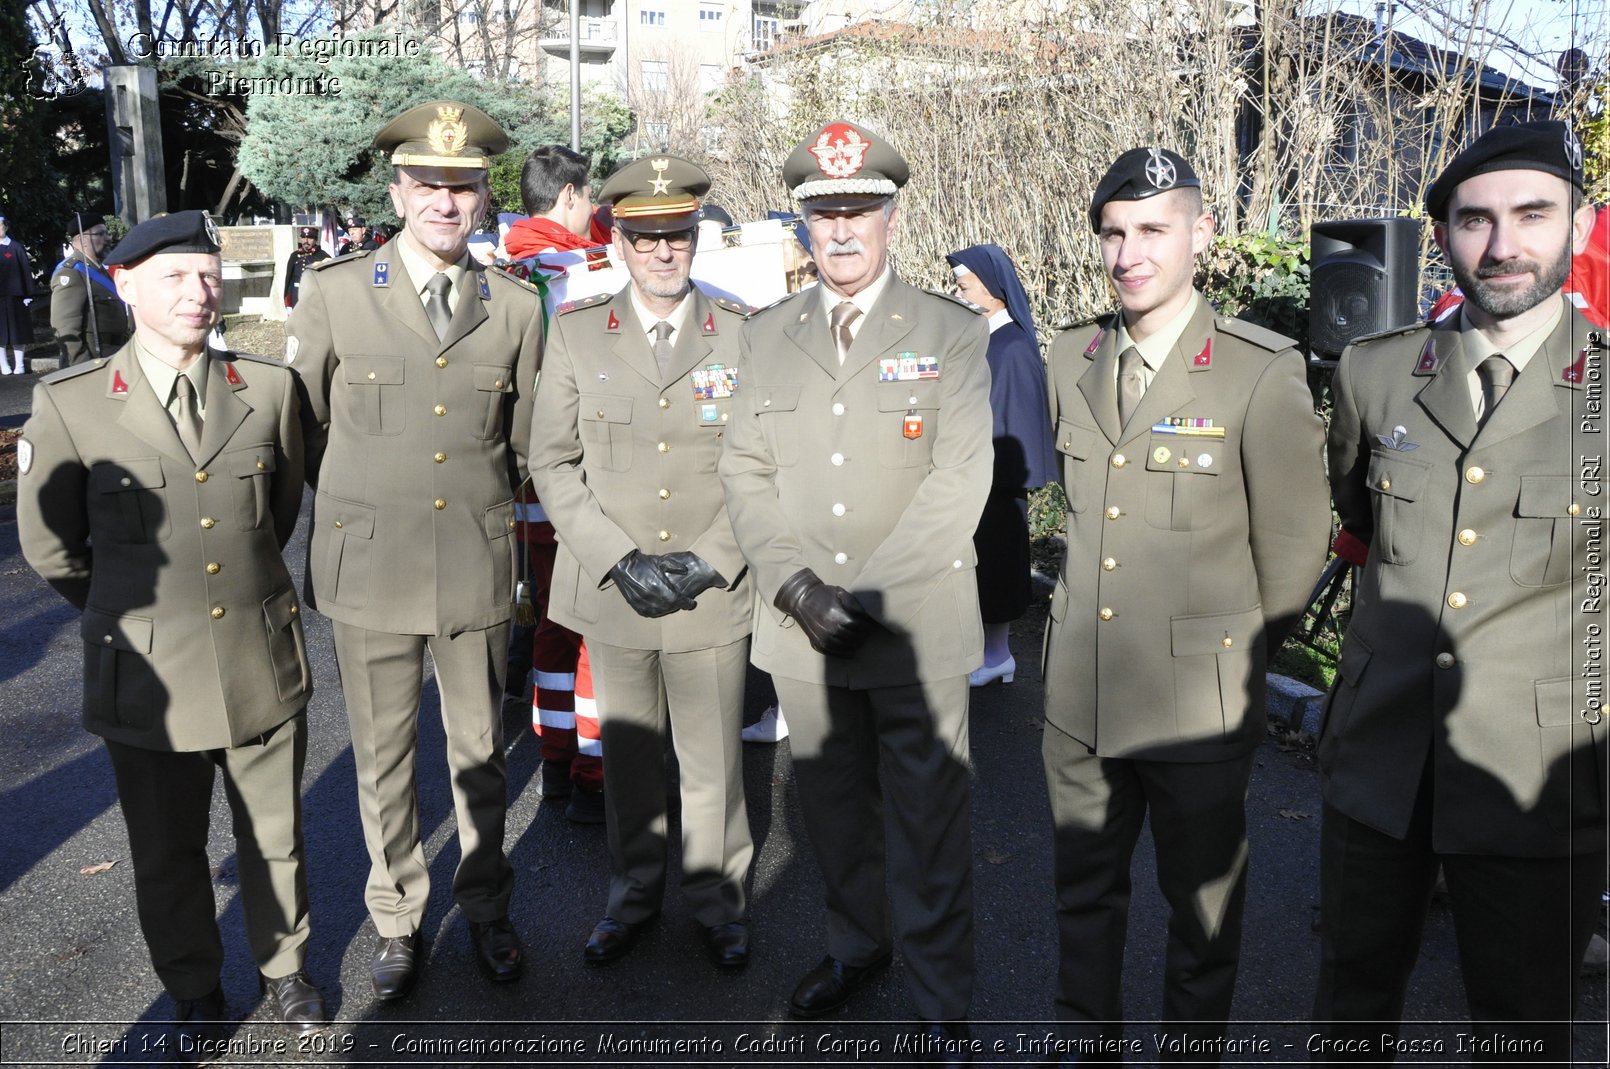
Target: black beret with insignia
{"points": [[1138, 174], [844, 165], [1550, 147], [191, 231]]}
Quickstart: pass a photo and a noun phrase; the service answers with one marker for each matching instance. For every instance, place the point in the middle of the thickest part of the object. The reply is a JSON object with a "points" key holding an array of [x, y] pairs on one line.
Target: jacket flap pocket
{"points": [[494, 378], [1355, 657], [716, 414], [777, 397], [115, 476], [373, 370], [1544, 495], [605, 408], [129, 633], [1395, 476], [500, 520], [349, 517], [899, 396], [1185, 453], [1219, 632], [1074, 440], [1554, 706], [253, 460], [281, 609]]}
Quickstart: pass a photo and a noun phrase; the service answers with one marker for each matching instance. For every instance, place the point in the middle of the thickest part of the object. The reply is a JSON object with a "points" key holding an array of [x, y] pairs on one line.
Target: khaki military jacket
{"points": [[1468, 635], [192, 631], [873, 475], [70, 310], [415, 445], [1195, 534], [625, 459]]}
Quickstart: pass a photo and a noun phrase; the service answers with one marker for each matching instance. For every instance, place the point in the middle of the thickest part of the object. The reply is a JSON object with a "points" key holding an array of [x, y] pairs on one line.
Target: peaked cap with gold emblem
{"points": [[445, 142], [656, 195], [844, 165]]}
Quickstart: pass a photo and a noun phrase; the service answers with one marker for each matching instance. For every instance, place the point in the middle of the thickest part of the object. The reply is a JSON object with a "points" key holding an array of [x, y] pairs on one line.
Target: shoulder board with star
{"points": [[1262, 337], [586, 302], [324, 265], [1392, 333], [76, 370], [732, 306], [255, 358], [779, 302], [952, 298]]}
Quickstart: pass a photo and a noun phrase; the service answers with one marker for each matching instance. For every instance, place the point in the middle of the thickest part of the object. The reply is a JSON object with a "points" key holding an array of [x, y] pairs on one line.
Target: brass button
{"points": [[1467, 537], [600, 413], [208, 523], [1185, 462], [201, 476], [1118, 460], [1108, 565], [1113, 512], [1105, 614], [497, 384], [261, 466], [440, 410], [1067, 445], [439, 504], [371, 376], [338, 525], [1456, 600], [1573, 509], [665, 495], [441, 361], [1474, 475], [213, 567], [1227, 642], [663, 447], [1445, 660], [665, 536], [665, 402], [295, 609], [440, 458], [217, 612], [1386, 484]]}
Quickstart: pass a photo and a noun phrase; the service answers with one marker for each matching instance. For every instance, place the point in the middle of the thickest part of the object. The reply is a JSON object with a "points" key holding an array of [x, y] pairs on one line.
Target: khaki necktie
{"points": [[1496, 373], [436, 309], [844, 313], [187, 417], [1130, 384], [662, 346]]}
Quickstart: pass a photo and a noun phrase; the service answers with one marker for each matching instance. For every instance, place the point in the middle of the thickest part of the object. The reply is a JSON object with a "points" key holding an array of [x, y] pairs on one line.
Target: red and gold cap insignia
{"points": [[447, 131], [840, 151]]}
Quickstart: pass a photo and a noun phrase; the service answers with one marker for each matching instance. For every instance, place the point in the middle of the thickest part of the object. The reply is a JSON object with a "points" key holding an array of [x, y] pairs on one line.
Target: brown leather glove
{"points": [[830, 616]]}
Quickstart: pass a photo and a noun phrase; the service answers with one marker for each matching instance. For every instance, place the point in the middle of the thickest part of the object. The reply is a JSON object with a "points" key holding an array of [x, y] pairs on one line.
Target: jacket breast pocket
{"points": [[1074, 444], [374, 389], [710, 418], [1395, 485], [129, 502], [606, 431], [287, 648], [777, 407], [908, 421], [493, 385], [1182, 484], [1540, 555], [120, 685], [346, 532], [253, 470]]}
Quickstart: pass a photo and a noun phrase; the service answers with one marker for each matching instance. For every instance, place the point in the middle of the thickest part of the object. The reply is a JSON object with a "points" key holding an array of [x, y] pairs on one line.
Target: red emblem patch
{"points": [[913, 427], [230, 376], [1205, 357], [1095, 343], [840, 150], [613, 324], [710, 323], [1428, 357], [118, 385], [1574, 372]]}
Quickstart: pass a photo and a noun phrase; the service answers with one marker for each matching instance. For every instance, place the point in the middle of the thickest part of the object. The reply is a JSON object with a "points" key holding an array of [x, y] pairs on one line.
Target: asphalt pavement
{"points": [[76, 986]]}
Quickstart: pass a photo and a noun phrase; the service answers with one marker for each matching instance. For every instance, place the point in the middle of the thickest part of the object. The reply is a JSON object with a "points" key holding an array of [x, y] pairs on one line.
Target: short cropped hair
{"points": [[546, 173]]}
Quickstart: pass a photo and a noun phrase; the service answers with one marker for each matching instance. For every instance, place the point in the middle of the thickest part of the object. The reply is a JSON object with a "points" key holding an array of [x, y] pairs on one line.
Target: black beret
{"points": [[191, 231], [1550, 147], [79, 222], [355, 220], [307, 232], [844, 165], [1138, 174]]}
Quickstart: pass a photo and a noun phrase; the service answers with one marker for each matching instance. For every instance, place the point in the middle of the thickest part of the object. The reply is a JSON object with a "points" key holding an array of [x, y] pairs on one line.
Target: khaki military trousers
{"points": [[883, 786], [383, 676], [166, 799], [698, 697]]}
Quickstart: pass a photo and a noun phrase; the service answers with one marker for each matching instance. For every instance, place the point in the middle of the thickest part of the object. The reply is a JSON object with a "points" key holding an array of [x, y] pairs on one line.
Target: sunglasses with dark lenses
{"points": [[681, 241]]}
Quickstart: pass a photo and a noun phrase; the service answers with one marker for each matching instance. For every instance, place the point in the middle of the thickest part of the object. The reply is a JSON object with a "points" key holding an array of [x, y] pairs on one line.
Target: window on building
{"points": [[658, 135], [656, 77], [766, 31], [710, 16], [650, 17], [470, 14]]}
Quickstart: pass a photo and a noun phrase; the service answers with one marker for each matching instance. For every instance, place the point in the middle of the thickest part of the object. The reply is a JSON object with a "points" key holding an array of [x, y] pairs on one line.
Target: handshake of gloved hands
{"points": [[660, 585]]}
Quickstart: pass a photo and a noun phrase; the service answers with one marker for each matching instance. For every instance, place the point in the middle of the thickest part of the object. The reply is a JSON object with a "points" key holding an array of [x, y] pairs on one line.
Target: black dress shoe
{"points": [[611, 940], [198, 1026], [395, 966], [497, 948], [298, 1003], [728, 944], [829, 986]]}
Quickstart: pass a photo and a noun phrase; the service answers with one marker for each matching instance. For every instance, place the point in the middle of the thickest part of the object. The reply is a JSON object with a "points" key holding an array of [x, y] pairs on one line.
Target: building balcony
{"points": [[597, 36]]}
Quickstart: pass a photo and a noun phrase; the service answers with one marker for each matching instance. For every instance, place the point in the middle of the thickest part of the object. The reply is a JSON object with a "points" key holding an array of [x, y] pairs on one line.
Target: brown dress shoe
{"points": [[395, 966], [298, 1004]]}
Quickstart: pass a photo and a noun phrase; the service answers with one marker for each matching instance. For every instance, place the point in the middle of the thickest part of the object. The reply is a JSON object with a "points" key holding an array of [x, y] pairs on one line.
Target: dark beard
{"points": [[1506, 303]]}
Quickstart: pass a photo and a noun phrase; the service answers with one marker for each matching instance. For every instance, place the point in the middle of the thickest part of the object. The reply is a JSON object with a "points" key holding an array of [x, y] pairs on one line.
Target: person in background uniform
{"points": [[307, 254], [636, 395], [158, 488], [1458, 731], [16, 294], [358, 237], [1197, 524], [855, 474], [419, 366], [1024, 459], [79, 287]]}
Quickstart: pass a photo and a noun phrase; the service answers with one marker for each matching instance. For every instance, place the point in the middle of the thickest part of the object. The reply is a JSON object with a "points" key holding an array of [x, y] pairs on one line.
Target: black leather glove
{"points": [[830, 616], [690, 573], [642, 582]]}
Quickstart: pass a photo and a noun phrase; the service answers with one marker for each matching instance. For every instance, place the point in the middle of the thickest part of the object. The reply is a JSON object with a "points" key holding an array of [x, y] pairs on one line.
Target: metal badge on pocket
{"points": [[913, 425]]}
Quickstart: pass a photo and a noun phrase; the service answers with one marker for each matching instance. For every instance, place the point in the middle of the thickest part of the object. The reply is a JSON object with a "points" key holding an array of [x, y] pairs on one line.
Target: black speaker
{"points": [[1364, 277]]}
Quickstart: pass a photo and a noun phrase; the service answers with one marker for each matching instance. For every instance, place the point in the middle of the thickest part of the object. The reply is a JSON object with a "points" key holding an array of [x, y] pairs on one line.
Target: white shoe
{"points": [[1593, 963], [771, 727], [991, 672]]}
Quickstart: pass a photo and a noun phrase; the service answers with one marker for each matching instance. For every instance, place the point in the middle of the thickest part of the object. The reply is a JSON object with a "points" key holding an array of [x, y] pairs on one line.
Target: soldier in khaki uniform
{"points": [[419, 367], [89, 318], [158, 487], [1464, 460], [855, 473], [636, 394], [1197, 523]]}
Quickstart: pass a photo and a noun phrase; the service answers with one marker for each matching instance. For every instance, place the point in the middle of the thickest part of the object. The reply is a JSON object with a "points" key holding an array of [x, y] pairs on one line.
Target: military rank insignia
{"points": [[1204, 359], [710, 323], [486, 290], [382, 273], [232, 376], [1095, 343], [714, 382], [908, 367], [613, 324], [1428, 358], [118, 385], [1573, 374], [912, 429]]}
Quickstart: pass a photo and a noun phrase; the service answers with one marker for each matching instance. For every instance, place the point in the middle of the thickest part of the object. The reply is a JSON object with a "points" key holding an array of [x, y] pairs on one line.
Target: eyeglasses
{"points": [[681, 241]]}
